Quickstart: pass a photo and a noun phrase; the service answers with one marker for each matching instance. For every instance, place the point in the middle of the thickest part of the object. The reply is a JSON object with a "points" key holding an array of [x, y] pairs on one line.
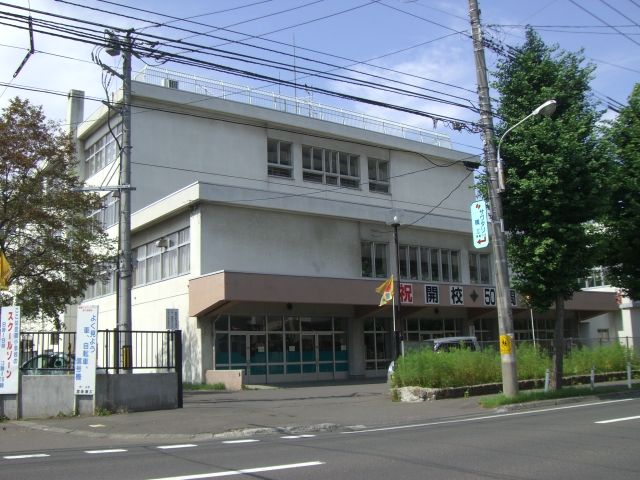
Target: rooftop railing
{"points": [[283, 103]]}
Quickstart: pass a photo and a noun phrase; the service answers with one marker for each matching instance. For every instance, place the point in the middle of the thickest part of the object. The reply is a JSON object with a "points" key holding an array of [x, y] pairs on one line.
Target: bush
{"points": [[461, 367]]}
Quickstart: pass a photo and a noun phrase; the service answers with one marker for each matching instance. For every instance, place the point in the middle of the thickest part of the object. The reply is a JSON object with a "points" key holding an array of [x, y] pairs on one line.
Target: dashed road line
{"points": [[619, 419], [34, 455], [113, 450], [250, 440], [290, 437], [243, 472], [184, 445]]}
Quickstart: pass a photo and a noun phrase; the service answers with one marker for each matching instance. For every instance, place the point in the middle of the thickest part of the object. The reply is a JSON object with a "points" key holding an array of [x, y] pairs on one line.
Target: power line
{"points": [[288, 45], [602, 21]]}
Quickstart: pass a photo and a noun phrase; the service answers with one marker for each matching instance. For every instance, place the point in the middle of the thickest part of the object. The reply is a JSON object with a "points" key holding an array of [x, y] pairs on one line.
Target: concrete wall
{"points": [[138, 392]]}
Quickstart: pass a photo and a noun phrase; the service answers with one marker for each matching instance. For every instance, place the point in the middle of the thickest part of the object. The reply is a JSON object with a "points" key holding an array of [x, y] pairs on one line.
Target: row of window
{"points": [[330, 167], [244, 323], [103, 152], [423, 263], [108, 214], [102, 288], [166, 257]]}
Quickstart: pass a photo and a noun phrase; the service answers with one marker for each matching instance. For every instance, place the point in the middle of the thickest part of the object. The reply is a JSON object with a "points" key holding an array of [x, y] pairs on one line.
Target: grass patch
{"points": [[103, 412], [534, 396], [199, 386], [463, 367]]}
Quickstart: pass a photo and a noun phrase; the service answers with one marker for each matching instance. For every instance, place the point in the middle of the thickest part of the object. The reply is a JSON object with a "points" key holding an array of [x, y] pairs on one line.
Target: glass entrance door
{"points": [[325, 356], [309, 359], [257, 358]]}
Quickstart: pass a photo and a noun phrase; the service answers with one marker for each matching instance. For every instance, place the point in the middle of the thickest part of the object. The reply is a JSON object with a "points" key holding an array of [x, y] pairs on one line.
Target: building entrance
{"points": [[282, 349]]}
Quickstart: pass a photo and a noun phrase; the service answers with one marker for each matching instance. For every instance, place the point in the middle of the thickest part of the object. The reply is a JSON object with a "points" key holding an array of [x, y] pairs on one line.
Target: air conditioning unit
{"points": [[162, 243], [169, 83]]}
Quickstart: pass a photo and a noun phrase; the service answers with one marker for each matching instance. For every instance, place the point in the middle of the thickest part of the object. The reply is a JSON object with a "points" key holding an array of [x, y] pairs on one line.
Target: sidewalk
{"points": [[291, 408]]}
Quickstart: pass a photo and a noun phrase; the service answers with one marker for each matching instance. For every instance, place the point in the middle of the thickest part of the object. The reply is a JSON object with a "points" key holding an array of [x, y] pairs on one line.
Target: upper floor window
{"points": [[108, 214], [101, 288], [596, 279], [279, 159], [374, 259], [103, 152], [378, 176], [330, 167], [479, 268], [429, 264], [166, 257]]}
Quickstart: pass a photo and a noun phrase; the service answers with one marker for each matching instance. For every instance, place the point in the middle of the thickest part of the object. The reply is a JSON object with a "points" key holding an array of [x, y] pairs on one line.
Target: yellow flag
{"points": [[386, 290], [5, 271]]}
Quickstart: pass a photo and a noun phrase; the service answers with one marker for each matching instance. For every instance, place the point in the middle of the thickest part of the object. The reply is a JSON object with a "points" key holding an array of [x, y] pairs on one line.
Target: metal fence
{"points": [[572, 344], [149, 352], [275, 101]]}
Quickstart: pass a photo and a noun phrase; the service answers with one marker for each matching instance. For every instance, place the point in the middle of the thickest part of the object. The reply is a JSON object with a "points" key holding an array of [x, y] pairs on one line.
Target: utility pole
{"points": [[124, 247], [503, 297]]}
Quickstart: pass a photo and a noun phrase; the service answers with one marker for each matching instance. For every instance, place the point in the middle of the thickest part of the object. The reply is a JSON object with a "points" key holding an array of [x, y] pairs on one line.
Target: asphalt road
{"points": [[568, 442]]}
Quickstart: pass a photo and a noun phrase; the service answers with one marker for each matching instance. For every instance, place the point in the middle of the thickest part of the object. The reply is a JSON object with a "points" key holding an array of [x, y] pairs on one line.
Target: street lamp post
{"points": [[395, 218], [546, 109]]}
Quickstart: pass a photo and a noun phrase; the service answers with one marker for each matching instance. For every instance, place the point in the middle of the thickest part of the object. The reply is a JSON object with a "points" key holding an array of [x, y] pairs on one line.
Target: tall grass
{"points": [[463, 367]]}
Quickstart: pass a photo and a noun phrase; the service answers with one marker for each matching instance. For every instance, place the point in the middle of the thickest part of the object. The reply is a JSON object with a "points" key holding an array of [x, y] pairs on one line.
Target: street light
{"points": [[546, 109], [395, 218]]}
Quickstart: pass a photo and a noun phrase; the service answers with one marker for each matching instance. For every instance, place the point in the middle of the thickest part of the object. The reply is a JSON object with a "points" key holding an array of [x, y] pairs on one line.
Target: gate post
{"points": [[177, 362]]}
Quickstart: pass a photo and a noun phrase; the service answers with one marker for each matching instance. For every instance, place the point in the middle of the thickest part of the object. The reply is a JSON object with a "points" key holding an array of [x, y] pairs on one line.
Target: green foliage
{"points": [[456, 368], [622, 219], [610, 358], [463, 367], [53, 246], [200, 386], [556, 170], [103, 411]]}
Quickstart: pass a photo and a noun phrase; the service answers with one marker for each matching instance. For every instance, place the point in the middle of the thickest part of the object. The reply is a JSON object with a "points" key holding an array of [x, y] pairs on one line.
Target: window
{"points": [[108, 214], [330, 167], [374, 259], [376, 343], [279, 159], [429, 264], [100, 288], [479, 268], [166, 257], [596, 279], [425, 329], [378, 176], [103, 152]]}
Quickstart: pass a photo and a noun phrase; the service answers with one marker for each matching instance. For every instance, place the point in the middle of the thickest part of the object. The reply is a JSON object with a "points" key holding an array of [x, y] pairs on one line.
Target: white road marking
{"points": [[243, 472], [34, 455], [288, 437], [241, 441], [114, 450], [186, 445], [488, 417], [619, 419]]}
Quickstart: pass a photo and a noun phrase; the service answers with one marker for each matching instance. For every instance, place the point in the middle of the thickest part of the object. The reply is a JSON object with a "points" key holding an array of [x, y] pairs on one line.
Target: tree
{"points": [[622, 219], [555, 176], [54, 246]]}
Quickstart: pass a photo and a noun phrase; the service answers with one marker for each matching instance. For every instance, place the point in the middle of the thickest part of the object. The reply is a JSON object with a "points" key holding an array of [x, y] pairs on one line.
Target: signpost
{"points": [[86, 350], [9, 350], [479, 224]]}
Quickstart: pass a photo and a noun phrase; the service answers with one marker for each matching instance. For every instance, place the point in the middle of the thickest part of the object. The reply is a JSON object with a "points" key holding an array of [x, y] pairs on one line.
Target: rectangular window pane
{"points": [[455, 266], [381, 351], [275, 348], [365, 255], [484, 269], [291, 324], [473, 267], [424, 263], [272, 151], [285, 153], [184, 260], [222, 349], [274, 324], [372, 170], [317, 159], [344, 164], [183, 236], [403, 261], [293, 347], [413, 263], [334, 163], [381, 260], [383, 171], [353, 165], [435, 267], [444, 262], [370, 346], [306, 157]]}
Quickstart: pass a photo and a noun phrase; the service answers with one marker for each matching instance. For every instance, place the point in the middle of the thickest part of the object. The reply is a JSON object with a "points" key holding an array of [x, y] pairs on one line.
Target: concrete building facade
{"points": [[261, 219]]}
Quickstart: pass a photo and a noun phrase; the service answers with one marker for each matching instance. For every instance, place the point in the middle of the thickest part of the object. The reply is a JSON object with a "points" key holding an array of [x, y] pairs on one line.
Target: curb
{"points": [[564, 401], [241, 432]]}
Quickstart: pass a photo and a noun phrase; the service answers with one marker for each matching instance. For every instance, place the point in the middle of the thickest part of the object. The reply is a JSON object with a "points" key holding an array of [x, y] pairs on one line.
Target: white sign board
{"points": [[86, 350], [479, 224], [9, 350], [173, 319]]}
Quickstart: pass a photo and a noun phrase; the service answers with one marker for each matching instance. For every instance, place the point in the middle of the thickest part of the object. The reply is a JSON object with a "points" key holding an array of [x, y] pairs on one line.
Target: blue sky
{"points": [[355, 30]]}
